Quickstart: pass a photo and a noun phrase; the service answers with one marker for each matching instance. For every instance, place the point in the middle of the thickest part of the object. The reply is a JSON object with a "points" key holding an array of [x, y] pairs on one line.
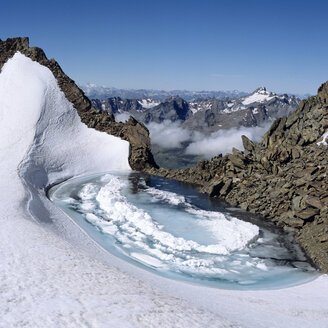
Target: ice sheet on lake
{"points": [[163, 230]]}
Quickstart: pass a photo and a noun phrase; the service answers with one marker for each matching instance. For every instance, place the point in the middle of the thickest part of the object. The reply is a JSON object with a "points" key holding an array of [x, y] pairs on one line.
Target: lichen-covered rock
{"points": [[323, 92], [248, 144]]}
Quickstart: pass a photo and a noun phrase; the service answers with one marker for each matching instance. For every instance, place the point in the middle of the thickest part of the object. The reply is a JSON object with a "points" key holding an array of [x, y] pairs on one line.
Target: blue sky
{"points": [[197, 45]]}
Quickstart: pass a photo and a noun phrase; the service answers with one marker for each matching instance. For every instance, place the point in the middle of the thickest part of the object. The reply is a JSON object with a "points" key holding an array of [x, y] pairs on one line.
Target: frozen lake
{"points": [[171, 229]]}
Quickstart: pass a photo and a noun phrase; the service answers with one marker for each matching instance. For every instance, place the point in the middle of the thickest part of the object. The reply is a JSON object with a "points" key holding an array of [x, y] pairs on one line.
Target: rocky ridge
{"points": [[284, 177], [172, 109], [116, 105], [252, 110], [134, 132]]}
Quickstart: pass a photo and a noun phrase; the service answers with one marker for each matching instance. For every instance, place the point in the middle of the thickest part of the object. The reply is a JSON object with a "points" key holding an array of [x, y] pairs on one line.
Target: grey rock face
{"points": [[146, 110], [117, 105], [172, 109]]}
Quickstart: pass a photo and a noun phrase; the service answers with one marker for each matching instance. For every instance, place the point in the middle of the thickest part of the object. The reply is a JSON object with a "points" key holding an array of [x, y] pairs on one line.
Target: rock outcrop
{"points": [[136, 133], [116, 105], [172, 109], [284, 177]]}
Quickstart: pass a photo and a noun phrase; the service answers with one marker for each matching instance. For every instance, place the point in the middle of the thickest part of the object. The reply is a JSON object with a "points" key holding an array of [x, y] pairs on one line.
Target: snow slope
{"points": [[148, 103], [53, 275], [44, 281], [323, 141]]}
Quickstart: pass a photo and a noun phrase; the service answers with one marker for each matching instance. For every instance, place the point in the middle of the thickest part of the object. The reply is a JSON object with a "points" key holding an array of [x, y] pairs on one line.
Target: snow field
{"points": [[44, 281]]}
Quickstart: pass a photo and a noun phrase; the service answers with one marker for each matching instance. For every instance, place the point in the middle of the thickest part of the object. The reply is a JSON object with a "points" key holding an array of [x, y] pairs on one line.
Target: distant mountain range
{"points": [[254, 109], [94, 91], [205, 114]]}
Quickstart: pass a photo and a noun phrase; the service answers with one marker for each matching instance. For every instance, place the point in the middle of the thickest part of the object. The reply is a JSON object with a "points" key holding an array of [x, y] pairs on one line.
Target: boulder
{"points": [[307, 214], [214, 188], [314, 202], [226, 188], [248, 144], [237, 161]]}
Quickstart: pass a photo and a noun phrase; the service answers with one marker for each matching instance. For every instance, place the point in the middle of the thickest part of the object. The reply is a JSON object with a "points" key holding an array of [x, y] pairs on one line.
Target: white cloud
{"points": [[222, 141], [168, 134]]}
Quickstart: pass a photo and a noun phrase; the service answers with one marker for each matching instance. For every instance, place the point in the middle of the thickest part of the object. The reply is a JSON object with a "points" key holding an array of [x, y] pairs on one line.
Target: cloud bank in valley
{"points": [[170, 135], [222, 141]]}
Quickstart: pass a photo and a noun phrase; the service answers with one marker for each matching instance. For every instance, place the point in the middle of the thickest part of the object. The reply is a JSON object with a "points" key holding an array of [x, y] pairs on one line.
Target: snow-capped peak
{"points": [[261, 90], [259, 95], [148, 103]]}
